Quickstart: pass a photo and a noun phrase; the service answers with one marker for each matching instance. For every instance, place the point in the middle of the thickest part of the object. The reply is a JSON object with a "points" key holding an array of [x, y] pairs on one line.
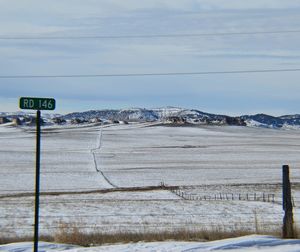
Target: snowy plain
{"points": [[77, 162], [244, 244], [140, 155]]}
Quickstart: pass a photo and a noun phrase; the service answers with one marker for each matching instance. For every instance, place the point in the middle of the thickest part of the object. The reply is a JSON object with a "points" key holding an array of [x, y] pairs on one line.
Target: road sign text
{"points": [[37, 103]]}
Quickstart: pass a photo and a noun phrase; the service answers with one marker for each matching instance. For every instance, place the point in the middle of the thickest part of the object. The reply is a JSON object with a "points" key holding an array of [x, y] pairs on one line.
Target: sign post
{"points": [[37, 104], [37, 180]]}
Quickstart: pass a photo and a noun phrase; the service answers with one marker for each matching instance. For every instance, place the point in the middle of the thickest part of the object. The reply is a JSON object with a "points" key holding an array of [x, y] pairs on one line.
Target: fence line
{"points": [[168, 221], [263, 197]]}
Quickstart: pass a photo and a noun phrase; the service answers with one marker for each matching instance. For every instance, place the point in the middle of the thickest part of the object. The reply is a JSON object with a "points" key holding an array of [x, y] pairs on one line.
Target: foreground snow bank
{"points": [[28, 246], [244, 244]]}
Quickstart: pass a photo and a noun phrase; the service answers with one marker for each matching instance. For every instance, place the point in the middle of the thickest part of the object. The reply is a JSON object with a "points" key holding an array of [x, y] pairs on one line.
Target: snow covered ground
{"points": [[134, 155], [243, 244], [66, 160], [135, 211], [201, 161], [197, 156]]}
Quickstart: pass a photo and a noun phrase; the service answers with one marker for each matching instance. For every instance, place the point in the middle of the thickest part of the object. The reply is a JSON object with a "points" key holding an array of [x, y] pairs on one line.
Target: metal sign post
{"points": [[37, 180], [37, 104]]}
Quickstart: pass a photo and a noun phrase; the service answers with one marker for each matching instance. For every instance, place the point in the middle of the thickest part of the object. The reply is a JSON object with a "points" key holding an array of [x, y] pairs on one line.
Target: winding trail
{"points": [[94, 151]]}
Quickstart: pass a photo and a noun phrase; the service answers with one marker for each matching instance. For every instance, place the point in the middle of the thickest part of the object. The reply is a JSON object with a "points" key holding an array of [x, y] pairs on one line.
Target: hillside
{"points": [[166, 115]]}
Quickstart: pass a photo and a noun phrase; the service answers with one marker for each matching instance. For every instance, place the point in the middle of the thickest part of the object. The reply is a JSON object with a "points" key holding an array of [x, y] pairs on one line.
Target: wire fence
{"points": [[81, 213], [269, 197], [184, 208]]}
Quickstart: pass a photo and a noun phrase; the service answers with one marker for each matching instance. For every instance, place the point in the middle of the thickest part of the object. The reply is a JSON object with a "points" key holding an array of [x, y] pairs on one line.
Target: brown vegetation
{"points": [[71, 234]]}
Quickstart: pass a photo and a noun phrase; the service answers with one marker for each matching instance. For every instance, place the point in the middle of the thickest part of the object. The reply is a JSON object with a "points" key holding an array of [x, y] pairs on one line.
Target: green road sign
{"points": [[37, 103]]}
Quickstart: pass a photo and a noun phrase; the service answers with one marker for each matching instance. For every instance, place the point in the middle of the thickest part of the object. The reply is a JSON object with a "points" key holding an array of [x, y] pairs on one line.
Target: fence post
{"points": [[287, 229]]}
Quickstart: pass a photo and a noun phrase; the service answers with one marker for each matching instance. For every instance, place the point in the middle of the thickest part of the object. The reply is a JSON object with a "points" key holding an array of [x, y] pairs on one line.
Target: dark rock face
{"points": [[4, 120], [235, 121], [58, 120]]}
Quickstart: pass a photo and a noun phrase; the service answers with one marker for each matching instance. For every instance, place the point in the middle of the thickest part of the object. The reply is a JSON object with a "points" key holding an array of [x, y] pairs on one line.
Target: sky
{"points": [[117, 44]]}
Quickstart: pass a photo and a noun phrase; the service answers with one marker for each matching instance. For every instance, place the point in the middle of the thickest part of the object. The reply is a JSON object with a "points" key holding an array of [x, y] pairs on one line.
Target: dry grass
{"points": [[78, 238], [71, 234], [7, 240]]}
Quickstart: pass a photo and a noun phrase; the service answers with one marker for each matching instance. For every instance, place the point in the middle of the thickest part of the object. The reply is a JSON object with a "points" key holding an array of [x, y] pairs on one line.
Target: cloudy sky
{"points": [[108, 37]]}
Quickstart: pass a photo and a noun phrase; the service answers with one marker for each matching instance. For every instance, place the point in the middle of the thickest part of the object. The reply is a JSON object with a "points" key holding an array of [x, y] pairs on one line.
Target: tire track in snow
{"points": [[93, 152]]}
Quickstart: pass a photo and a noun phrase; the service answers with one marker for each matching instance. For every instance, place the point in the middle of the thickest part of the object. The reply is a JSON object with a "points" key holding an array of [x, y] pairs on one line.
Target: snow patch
{"points": [[242, 244]]}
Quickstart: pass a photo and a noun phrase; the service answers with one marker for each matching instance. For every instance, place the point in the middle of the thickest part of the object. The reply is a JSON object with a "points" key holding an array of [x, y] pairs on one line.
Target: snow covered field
{"points": [[201, 161], [243, 244], [197, 156]]}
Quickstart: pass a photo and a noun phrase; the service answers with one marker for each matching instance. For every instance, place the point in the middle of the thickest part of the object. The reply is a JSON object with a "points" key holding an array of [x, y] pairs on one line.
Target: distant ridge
{"points": [[192, 116], [168, 115], [165, 115], [272, 121]]}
